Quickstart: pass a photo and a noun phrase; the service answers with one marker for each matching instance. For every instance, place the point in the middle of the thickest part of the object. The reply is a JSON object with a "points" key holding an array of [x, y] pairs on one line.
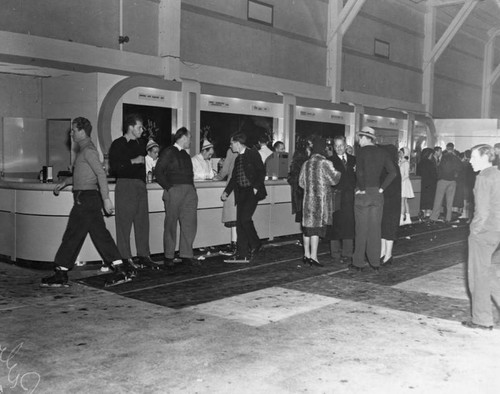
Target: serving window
{"points": [[305, 129], [157, 122], [219, 126]]}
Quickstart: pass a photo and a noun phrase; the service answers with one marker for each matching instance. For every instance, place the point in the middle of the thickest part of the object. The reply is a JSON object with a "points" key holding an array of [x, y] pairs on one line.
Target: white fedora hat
{"points": [[206, 145], [367, 132]]}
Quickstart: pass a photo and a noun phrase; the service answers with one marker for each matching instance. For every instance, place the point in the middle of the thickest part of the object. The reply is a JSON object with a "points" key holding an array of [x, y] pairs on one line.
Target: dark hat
{"points": [[319, 146], [367, 132]]}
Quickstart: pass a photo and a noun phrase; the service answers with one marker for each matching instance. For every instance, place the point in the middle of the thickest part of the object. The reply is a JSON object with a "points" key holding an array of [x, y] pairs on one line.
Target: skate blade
{"points": [[238, 261], [118, 282], [153, 267], [54, 286]]}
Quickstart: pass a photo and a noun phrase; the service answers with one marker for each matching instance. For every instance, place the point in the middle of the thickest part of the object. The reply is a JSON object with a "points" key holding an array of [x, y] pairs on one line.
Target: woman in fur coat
{"points": [[317, 177]]}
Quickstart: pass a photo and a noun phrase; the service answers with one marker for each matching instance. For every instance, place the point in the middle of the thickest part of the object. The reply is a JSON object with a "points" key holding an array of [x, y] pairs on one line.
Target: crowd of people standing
{"points": [[356, 202], [447, 182], [359, 203], [341, 197]]}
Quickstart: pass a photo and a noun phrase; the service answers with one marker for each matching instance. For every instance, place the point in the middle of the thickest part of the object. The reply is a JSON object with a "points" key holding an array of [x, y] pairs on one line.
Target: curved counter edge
{"points": [[35, 219]]}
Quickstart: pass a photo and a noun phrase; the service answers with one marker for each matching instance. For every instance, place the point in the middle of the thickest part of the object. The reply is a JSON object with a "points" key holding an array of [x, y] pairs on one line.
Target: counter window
{"points": [[157, 122], [305, 129], [218, 128]]}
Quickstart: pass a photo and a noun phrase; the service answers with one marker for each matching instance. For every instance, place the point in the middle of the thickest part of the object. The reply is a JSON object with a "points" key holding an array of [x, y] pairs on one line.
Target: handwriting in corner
{"points": [[28, 381]]}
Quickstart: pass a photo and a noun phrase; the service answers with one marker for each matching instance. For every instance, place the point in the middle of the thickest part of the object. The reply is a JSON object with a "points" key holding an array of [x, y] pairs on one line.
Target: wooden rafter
{"points": [[340, 17], [432, 50], [452, 29]]}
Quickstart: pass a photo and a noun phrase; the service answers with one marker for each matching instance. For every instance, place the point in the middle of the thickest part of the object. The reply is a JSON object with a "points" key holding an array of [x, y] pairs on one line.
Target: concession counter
{"points": [[33, 219]]}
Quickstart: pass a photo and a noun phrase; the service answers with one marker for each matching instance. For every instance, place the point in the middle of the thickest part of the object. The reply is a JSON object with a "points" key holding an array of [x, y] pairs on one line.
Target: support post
{"points": [[340, 18], [489, 76], [191, 91], [169, 38]]}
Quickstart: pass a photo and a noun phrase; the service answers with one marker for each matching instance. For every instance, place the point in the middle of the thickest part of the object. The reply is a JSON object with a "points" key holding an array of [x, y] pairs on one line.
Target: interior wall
{"points": [[91, 22], [458, 78], [20, 96], [216, 34], [495, 105], [68, 97], [397, 77]]}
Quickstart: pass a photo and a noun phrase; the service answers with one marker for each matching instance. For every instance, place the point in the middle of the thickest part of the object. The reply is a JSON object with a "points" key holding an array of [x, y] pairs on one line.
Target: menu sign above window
{"points": [[219, 104], [260, 108], [149, 96], [309, 114], [384, 122]]}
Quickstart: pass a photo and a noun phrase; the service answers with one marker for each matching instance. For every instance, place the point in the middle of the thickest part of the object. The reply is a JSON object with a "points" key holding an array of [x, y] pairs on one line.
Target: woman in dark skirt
{"points": [[300, 156], [427, 171], [392, 209]]}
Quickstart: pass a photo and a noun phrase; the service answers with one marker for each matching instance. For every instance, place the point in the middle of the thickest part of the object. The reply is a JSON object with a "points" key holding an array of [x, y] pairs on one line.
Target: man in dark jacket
{"points": [[342, 234], [247, 182], [127, 161], [448, 168], [371, 162], [174, 172]]}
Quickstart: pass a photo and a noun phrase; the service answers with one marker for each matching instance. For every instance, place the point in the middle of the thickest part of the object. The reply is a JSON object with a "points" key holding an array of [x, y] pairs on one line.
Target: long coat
{"points": [[343, 219], [317, 177], [297, 193], [392, 198], [229, 206], [427, 170]]}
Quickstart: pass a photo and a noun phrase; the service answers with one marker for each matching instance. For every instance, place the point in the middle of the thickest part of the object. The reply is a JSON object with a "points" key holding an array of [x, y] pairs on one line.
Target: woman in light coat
{"points": [[229, 206], [317, 177], [406, 187]]}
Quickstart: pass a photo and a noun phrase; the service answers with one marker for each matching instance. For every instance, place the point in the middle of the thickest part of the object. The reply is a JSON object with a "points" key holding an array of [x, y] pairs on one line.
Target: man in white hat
{"points": [[153, 150], [201, 162], [369, 198]]}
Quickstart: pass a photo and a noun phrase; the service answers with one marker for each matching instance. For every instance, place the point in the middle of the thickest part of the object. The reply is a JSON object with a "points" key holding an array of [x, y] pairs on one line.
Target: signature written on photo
{"points": [[17, 379]]}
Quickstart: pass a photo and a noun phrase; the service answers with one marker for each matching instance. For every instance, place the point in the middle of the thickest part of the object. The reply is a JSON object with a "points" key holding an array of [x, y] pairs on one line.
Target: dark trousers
{"points": [[246, 203], [131, 203], [368, 210], [86, 218], [341, 248], [484, 284], [181, 204]]}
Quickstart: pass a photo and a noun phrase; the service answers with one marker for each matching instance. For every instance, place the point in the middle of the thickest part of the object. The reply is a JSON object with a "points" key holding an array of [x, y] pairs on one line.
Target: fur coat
{"points": [[317, 177]]}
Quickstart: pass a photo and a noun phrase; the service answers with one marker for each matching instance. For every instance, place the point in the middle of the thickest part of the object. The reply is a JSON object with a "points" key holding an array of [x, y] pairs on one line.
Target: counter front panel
{"points": [[34, 219]]}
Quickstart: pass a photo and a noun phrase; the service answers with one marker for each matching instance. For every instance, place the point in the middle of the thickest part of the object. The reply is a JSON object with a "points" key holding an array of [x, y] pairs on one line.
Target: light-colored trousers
{"points": [[443, 189], [484, 284], [181, 204]]}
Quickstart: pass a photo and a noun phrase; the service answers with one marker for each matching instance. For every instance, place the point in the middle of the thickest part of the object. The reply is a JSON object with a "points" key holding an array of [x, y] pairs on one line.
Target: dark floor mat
{"points": [[281, 265]]}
